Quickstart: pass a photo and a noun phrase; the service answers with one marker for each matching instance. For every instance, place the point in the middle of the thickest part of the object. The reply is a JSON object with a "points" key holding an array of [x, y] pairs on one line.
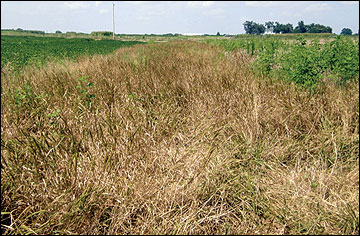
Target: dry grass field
{"points": [[171, 138]]}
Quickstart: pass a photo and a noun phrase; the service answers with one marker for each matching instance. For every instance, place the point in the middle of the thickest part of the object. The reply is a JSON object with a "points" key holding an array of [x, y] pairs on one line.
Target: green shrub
{"points": [[301, 63], [341, 56]]}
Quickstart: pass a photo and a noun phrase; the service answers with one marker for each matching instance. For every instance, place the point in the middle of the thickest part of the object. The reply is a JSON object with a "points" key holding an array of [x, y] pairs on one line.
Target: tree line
{"points": [[25, 31], [278, 28]]}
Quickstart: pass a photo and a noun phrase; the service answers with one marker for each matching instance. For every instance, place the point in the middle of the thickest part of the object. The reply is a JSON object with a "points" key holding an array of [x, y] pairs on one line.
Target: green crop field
{"points": [[19, 51]]}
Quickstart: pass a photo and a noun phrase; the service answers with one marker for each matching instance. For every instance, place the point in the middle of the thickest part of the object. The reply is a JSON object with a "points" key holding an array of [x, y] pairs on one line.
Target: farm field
{"points": [[20, 51], [241, 136]]}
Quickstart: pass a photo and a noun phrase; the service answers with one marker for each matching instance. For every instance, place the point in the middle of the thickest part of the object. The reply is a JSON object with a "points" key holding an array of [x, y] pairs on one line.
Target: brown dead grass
{"points": [[176, 140]]}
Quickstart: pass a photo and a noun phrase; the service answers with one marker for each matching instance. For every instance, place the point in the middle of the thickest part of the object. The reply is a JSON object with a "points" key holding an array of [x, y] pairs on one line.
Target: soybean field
{"points": [[19, 51]]}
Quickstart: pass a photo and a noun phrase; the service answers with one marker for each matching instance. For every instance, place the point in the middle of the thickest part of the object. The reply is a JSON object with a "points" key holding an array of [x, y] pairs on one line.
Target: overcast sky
{"points": [[160, 17]]}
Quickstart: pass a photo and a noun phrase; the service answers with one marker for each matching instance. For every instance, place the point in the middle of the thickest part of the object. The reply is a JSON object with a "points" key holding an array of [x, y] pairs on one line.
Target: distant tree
{"points": [[317, 28], [281, 28], [346, 31], [312, 28], [218, 34], [249, 27], [253, 28], [35, 31], [101, 33], [288, 28], [269, 25], [300, 28], [329, 29], [260, 29], [276, 27], [58, 32]]}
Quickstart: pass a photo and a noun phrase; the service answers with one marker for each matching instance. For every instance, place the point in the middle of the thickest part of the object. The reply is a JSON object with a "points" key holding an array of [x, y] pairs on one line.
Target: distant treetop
{"points": [[276, 27]]}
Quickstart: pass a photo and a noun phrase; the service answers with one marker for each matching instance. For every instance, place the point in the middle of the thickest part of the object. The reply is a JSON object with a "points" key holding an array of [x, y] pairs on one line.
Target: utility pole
{"points": [[113, 22]]}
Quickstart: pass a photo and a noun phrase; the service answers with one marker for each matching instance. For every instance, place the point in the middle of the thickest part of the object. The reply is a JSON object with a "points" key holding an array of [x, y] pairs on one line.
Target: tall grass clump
{"points": [[175, 138]]}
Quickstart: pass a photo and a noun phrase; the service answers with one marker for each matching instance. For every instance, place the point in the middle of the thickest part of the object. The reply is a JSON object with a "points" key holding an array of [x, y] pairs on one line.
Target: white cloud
{"points": [[76, 5], [317, 7], [200, 3]]}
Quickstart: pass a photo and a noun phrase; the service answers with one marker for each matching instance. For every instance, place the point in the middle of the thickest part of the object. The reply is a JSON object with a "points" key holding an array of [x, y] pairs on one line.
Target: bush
{"points": [[341, 56], [346, 31], [302, 64]]}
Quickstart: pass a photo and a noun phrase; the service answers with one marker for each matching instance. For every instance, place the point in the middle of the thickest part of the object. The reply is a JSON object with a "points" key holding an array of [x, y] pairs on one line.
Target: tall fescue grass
{"points": [[175, 138]]}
